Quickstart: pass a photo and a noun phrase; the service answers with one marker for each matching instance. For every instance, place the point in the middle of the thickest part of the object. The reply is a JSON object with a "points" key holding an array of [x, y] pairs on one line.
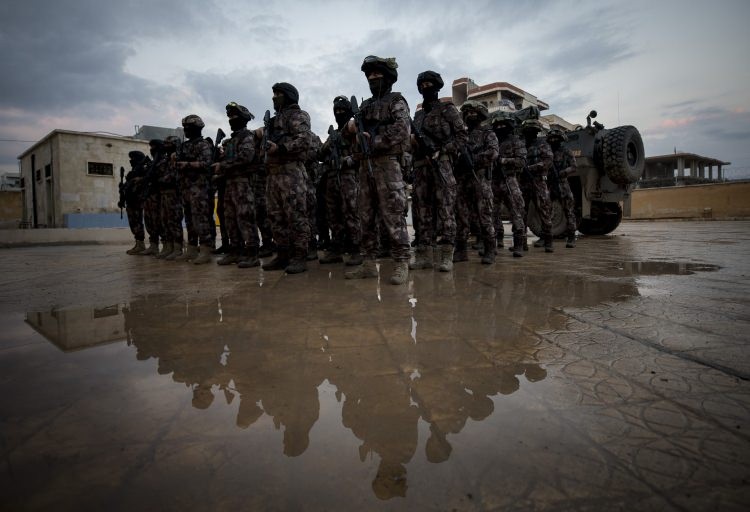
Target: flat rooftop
{"points": [[612, 376]]}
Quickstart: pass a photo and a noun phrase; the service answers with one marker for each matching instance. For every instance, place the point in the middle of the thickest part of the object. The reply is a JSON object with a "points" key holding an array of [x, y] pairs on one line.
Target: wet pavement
{"points": [[612, 376]]}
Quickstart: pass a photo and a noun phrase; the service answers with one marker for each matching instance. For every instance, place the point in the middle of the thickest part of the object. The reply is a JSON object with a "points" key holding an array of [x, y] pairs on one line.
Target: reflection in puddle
{"points": [[661, 268], [477, 343]]}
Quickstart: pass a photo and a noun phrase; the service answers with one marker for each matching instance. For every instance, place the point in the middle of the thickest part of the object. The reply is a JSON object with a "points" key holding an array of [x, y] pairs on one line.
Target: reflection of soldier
{"points": [[505, 188], [171, 203], [534, 182], [475, 189], [289, 139], [385, 120], [239, 202], [564, 165], [192, 163], [133, 192], [443, 135]]}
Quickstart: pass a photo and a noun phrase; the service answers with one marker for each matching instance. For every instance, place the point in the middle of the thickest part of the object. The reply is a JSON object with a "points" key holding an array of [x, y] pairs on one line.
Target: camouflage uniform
{"points": [[258, 183], [313, 170], [195, 190], [170, 211], [505, 187], [341, 194], [287, 181], [534, 183], [383, 194], [152, 205], [239, 201], [134, 191], [475, 190], [434, 182], [565, 164]]}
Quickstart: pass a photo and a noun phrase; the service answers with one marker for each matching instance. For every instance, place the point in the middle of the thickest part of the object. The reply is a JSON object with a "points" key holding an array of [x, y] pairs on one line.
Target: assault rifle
{"points": [[363, 143], [217, 145], [427, 148], [122, 189], [266, 134]]}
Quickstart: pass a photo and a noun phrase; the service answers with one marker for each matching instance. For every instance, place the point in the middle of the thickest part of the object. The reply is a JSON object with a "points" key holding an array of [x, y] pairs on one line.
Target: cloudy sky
{"points": [[677, 70]]}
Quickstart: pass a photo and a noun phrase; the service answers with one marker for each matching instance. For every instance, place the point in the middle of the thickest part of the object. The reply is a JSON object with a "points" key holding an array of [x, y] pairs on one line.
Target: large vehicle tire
{"points": [[559, 222], [605, 217], [622, 155]]}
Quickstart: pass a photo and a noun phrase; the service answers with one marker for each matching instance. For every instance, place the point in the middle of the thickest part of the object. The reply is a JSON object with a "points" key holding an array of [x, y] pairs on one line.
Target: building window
{"points": [[47, 171], [38, 174], [100, 169]]}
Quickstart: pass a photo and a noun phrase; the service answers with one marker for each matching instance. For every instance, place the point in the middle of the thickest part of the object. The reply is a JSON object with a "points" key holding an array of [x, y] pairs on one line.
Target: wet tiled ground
{"points": [[613, 376]]}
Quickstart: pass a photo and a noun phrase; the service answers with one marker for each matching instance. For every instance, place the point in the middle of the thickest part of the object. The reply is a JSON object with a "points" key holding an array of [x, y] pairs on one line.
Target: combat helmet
{"points": [[288, 90], [341, 102], [172, 140], [557, 133], [241, 111], [532, 124], [387, 66], [193, 120], [478, 107], [430, 76]]}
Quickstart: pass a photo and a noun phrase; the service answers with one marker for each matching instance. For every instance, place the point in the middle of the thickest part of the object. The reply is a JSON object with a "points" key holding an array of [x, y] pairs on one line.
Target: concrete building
{"points": [[494, 96], [681, 169], [70, 179]]}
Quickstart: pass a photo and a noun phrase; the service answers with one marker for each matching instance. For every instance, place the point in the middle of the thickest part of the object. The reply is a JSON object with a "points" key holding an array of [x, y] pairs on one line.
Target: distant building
{"points": [[147, 132], [680, 169], [70, 179], [10, 181], [495, 96]]}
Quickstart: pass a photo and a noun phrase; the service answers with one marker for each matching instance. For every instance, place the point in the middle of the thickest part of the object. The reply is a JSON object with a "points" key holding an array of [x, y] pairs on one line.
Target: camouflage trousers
{"points": [[258, 184], [171, 215], [287, 207], [568, 206], [476, 196], [239, 213], [435, 188], [135, 220], [382, 198], [197, 206], [342, 198], [312, 206], [535, 189], [507, 192], [152, 217]]}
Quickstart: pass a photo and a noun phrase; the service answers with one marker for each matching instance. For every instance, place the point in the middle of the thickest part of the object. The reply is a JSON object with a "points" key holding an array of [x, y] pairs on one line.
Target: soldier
{"points": [[192, 163], [505, 188], [288, 142], [313, 171], [564, 165], [386, 132], [440, 135], [342, 190], [258, 180], [171, 203], [534, 186], [131, 197], [474, 185], [151, 202], [239, 203]]}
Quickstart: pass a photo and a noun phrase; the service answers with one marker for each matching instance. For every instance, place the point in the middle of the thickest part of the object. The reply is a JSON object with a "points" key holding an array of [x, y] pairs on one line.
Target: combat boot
{"points": [[138, 248], [312, 251], [166, 250], [176, 251], [400, 272], [490, 248], [539, 242], [460, 254], [422, 258], [548, 244], [153, 249], [446, 258], [332, 255], [365, 270], [250, 259], [232, 256], [204, 256], [267, 249], [355, 258], [190, 254], [518, 245], [222, 249], [570, 243], [296, 266], [280, 262]]}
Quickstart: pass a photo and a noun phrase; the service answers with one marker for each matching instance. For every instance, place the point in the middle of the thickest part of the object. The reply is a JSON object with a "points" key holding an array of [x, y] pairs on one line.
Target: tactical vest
{"points": [[377, 116]]}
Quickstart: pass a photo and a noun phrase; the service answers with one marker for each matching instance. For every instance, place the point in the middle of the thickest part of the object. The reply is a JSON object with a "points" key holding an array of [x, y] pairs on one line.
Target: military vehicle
{"points": [[610, 162]]}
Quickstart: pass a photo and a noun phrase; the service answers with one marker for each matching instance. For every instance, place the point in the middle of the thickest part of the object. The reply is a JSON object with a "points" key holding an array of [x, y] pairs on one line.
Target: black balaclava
{"points": [[529, 136], [342, 110], [472, 119], [237, 123], [156, 147], [503, 130], [192, 131], [379, 87]]}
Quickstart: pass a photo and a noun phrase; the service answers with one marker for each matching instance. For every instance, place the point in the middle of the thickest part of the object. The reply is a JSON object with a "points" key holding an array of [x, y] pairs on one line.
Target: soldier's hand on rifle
{"points": [[272, 148], [216, 168]]}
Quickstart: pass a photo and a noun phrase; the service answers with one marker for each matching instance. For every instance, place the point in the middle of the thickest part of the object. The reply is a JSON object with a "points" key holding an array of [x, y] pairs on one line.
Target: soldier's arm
{"points": [[517, 159], [571, 167], [545, 163], [490, 150], [397, 132], [244, 154], [458, 129]]}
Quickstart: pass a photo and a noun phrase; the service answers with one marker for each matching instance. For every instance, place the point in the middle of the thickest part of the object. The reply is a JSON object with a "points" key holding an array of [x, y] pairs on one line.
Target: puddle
{"points": [[662, 268]]}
